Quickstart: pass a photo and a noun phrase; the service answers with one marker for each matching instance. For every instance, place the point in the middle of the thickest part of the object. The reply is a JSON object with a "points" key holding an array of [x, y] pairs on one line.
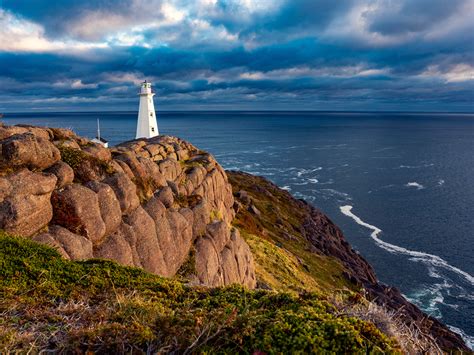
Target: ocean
{"points": [[400, 185]]}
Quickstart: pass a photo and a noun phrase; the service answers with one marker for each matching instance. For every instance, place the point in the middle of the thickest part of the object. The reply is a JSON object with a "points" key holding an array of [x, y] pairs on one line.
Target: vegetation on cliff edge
{"points": [[284, 257], [96, 305]]}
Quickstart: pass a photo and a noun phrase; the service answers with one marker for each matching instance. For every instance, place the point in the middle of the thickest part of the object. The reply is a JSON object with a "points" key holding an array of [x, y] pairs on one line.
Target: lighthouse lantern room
{"points": [[146, 124]]}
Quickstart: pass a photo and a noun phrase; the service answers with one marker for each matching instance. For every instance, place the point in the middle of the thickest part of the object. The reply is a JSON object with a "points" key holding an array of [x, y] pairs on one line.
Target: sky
{"points": [[364, 55]]}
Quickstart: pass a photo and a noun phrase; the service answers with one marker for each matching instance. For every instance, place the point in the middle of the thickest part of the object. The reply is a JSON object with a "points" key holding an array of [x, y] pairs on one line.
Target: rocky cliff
{"points": [[320, 256], [160, 204], [169, 208]]}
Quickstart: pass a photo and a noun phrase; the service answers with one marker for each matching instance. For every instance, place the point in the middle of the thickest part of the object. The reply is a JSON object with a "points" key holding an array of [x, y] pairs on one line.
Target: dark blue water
{"points": [[408, 175]]}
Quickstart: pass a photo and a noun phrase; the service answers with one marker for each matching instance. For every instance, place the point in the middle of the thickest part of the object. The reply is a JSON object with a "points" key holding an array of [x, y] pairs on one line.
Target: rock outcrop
{"points": [[159, 204]]}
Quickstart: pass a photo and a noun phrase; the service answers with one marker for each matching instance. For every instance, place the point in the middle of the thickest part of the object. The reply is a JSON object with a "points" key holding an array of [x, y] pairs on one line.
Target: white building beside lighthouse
{"points": [[146, 124]]}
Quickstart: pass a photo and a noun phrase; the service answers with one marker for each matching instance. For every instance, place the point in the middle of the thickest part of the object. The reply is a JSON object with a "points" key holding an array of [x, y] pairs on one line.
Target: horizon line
{"points": [[244, 111]]}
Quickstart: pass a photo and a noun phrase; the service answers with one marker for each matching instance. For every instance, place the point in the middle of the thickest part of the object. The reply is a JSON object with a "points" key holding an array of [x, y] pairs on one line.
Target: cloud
{"points": [[20, 35], [350, 54], [457, 73]]}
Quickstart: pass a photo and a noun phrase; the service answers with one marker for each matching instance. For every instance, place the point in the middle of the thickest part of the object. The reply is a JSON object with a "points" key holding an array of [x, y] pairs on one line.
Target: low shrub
{"points": [[48, 303]]}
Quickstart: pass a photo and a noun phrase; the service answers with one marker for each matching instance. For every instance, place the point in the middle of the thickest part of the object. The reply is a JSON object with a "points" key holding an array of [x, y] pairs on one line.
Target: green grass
{"points": [[47, 302], [283, 264]]}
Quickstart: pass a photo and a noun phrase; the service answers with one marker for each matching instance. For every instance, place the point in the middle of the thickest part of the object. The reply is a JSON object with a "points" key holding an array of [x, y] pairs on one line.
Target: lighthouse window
{"points": [[151, 114], [153, 129]]}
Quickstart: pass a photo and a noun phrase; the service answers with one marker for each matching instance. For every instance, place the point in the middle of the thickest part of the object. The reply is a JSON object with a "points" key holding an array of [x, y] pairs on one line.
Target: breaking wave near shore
{"points": [[416, 255], [430, 297]]}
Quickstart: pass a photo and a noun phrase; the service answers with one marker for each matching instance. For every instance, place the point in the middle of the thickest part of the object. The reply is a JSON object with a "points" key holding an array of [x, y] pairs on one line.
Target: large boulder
{"points": [[25, 214], [146, 242], [174, 233], [224, 258], [8, 131], [170, 168], [98, 151], [117, 247], [237, 262], [208, 250], [165, 195], [70, 245], [77, 208], [125, 190], [29, 151], [25, 205], [63, 172], [108, 204]]}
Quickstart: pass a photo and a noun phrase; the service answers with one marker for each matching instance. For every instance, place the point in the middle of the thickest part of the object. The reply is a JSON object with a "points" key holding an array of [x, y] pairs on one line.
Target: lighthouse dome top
{"points": [[145, 88]]}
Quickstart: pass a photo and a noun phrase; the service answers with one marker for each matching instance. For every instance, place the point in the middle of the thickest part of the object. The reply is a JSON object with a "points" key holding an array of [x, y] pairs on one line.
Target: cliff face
{"points": [[159, 204]]}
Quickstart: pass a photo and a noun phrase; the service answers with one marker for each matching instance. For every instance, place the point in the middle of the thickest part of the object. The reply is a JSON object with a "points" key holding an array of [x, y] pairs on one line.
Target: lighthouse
{"points": [[146, 124]]}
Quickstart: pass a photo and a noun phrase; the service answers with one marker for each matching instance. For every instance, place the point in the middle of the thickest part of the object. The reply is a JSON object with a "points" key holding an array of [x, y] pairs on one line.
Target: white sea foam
{"points": [[332, 192], [414, 166], [313, 181], [329, 182], [395, 249], [469, 339], [308, 171], [286, 187], [415, 184], [441, 182]]}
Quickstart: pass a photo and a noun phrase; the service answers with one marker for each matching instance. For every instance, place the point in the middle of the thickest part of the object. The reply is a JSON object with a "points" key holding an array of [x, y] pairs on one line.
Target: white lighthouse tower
{"points": [[146, 125]]}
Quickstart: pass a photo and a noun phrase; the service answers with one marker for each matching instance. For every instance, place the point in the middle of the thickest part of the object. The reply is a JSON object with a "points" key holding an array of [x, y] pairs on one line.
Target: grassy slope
{"points": [[282, 263], [48, 302]]}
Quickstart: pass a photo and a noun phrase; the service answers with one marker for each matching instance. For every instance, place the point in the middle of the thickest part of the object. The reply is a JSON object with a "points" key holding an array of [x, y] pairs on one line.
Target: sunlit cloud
{"points": [[20, 35], [456, 73], [219, 53]]}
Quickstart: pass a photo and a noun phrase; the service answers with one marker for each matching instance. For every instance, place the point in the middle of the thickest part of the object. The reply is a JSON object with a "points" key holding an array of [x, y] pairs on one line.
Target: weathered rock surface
{"points": [[72, 246], [77, 208], [25, 205], [63, 172], [155, 204], [29, 151]]}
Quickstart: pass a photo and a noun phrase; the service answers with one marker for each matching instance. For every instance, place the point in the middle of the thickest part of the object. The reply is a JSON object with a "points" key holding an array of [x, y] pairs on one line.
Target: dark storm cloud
{"points": [[62, 18], [238, 54], [412, 16]]}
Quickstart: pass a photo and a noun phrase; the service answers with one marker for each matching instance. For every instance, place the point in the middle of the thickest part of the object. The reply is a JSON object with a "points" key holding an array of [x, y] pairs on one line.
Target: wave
{"points": [[414, 166], [469, 339], [441, 182], [415, 184], [308, 171], [426, 258], [428, 298]]}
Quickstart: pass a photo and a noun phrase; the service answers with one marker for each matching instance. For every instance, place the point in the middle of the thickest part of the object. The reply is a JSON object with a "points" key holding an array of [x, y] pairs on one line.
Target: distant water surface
{"points": [[400, 186]]}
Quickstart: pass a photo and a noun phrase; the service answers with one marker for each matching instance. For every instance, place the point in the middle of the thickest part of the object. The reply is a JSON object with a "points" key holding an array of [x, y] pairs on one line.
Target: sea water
{"points": [[399, 185]]}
